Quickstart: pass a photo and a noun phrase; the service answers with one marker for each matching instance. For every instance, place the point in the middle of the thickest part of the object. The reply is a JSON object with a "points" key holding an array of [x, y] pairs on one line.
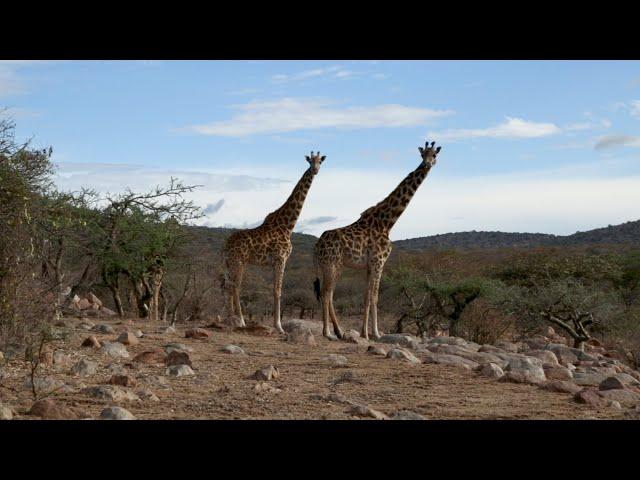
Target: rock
{"points": [[614, 404], [151, 357], [295, 324], [547, 357], [94, 300], [45, 384], [128, 338], [589, 379], [6, 413], [116, 413], [61, 359], [84, 368], [122, 380], [589, 396], [507, 346], [266, 373], [179, 370], [264, 387], [2, 360], [336, 360], [625, 396], [547, 331], [177, 357], [402, 339], [406, 415], [447, 341], [46, 356], [491, 370], [525, 370], [91, 341], [107, 312], [627, 379], [232, 349], [138, 334], [611, 383], [111, 392], [402, 354], [197, 333], [561, 386], [147, 395], [465, 352], [377, 350], [490, 349], [103, 328], [367, 412], [558, 373], [444, 359], [563, 353], [83, 304], [168, 330], [302, 335], [353, 336], [115, 349], [48, 409], [177, 346]]}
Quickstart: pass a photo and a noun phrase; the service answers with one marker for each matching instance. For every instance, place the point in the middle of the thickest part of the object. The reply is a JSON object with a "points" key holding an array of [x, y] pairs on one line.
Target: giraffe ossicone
{"points": [[365, 244]]}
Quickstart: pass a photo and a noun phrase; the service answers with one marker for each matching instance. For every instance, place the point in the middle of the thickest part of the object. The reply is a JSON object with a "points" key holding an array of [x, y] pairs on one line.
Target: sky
{"points": [[527, 146]]}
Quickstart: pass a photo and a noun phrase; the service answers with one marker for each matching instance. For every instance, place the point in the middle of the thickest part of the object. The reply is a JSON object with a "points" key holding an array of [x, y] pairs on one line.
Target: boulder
{"points": [[445, 359], [315, 326], [404, 340], [128, 338], [547, 357], [447, 341], [179, 370], [507, 346], [611, 383], [465, 352], [6, 413], [232, 349], [168, 330], [524, 370], [44, 385], [147, 395], [197, 333], [82, 304], [563, 353], [406, 415], [176, 357], [558, 373], [367, 412], [266, 373], [122, 380], [91, 341], [114, 349], [116, 413], [336, 360], [111, 392], [301, 335], [61, 359], [107, 312], [48, 409], [491, 370], [589, 379], [561, 386], [589, 396], [94, 300], [84, 368], [264, 387], [103, 328], [625, 396], [353, 336], [377, 350], [403, 354], [177, 346]]}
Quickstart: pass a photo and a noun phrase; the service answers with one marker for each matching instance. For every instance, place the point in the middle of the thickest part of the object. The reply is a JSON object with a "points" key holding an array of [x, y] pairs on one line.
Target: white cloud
{"points": [[611, 141], [634, 108], [336, 71], [510, 128], [291, 114], [10, 81]]}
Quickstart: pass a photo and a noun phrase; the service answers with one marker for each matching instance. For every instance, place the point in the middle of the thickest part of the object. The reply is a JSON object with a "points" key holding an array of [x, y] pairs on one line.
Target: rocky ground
{"points": [[113, 369]]}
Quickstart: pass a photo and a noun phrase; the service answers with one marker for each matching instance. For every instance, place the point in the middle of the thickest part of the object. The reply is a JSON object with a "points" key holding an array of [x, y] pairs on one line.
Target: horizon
{"points": [[527, 146]]}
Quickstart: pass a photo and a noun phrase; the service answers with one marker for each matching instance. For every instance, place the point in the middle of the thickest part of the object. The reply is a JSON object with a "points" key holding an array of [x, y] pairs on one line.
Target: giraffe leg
{"points": [[374, 304], [334, 318], [236, 281], [328, 285], [278, 273], [364, 331]]}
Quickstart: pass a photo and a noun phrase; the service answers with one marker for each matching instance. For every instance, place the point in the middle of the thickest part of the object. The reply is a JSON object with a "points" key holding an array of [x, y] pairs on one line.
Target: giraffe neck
{"points": [[287, 215], [387, 212]]}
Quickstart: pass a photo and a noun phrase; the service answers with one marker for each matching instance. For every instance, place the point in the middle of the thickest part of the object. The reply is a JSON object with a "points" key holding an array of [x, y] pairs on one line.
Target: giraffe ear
{"points": [[308, 159], [421, 150], [322, 158], [438, 149]]}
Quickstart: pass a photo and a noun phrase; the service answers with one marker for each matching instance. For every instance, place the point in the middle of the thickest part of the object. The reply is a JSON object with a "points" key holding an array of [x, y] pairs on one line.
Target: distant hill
{"points": [[626, 233]]}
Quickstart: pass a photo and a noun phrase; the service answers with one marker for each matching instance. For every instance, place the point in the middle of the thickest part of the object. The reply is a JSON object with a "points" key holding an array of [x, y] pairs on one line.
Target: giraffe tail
{"points": [[316, 288]]}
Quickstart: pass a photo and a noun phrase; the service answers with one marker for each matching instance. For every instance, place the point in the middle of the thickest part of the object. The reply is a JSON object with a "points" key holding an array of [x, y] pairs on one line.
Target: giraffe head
{"points": [[429, 153], [315, 161]]}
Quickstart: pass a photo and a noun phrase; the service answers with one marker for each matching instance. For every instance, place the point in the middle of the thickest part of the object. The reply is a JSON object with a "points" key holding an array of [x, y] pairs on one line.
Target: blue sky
{"points": [[534, 146]]}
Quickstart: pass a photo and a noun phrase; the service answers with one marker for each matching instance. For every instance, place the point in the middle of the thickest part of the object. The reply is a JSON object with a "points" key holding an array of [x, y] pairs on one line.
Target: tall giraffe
{"points": [[268, 244], [365, 244]]}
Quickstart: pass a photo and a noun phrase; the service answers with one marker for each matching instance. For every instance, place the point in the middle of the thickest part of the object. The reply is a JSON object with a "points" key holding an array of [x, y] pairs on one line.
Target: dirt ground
{"points": [[221, 387]]}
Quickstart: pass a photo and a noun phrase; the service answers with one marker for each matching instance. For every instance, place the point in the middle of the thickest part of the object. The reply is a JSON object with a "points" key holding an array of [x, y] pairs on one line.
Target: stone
{"points": [[547, 357], [61, 359], [111, 392], [614, 404], [377, 350], [625, 396], [406, 415], [465, 352], [611, 383], [48, 409], [147, 395], [490, 349], [44, 385], [589, 379], [266, 373], [507, 346], [353, 336], [107, 312], [627, 379], [563, 353], [177, 346], [179, 371], [116, 413], [547, 331], [151, 357], [138, 334], [232, 349], [168, 330], [177, 357], [6, 413], [403, 354], [445, 359], [197, 333], [525, 370], [94, 300], [122, 380], [83, 304], [491, 370], [84, 368], [561, 386], [302, 335], [558, 373], [367, 412], [86, 325], [295, 324], [447, 341], [589, 396], [103, 328], [128, 338], [2, 360], [336, 360], [402, 339], [264, 387], [91, 341], [114, 349]]}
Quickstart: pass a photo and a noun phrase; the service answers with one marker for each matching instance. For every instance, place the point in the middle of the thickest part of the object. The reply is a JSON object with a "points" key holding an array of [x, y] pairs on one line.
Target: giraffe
{"points": [[365, 244], [268, 244]]}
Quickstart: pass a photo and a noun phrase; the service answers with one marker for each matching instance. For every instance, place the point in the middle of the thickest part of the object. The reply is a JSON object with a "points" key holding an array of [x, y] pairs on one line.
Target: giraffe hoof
{"points": [[330, 337]]}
